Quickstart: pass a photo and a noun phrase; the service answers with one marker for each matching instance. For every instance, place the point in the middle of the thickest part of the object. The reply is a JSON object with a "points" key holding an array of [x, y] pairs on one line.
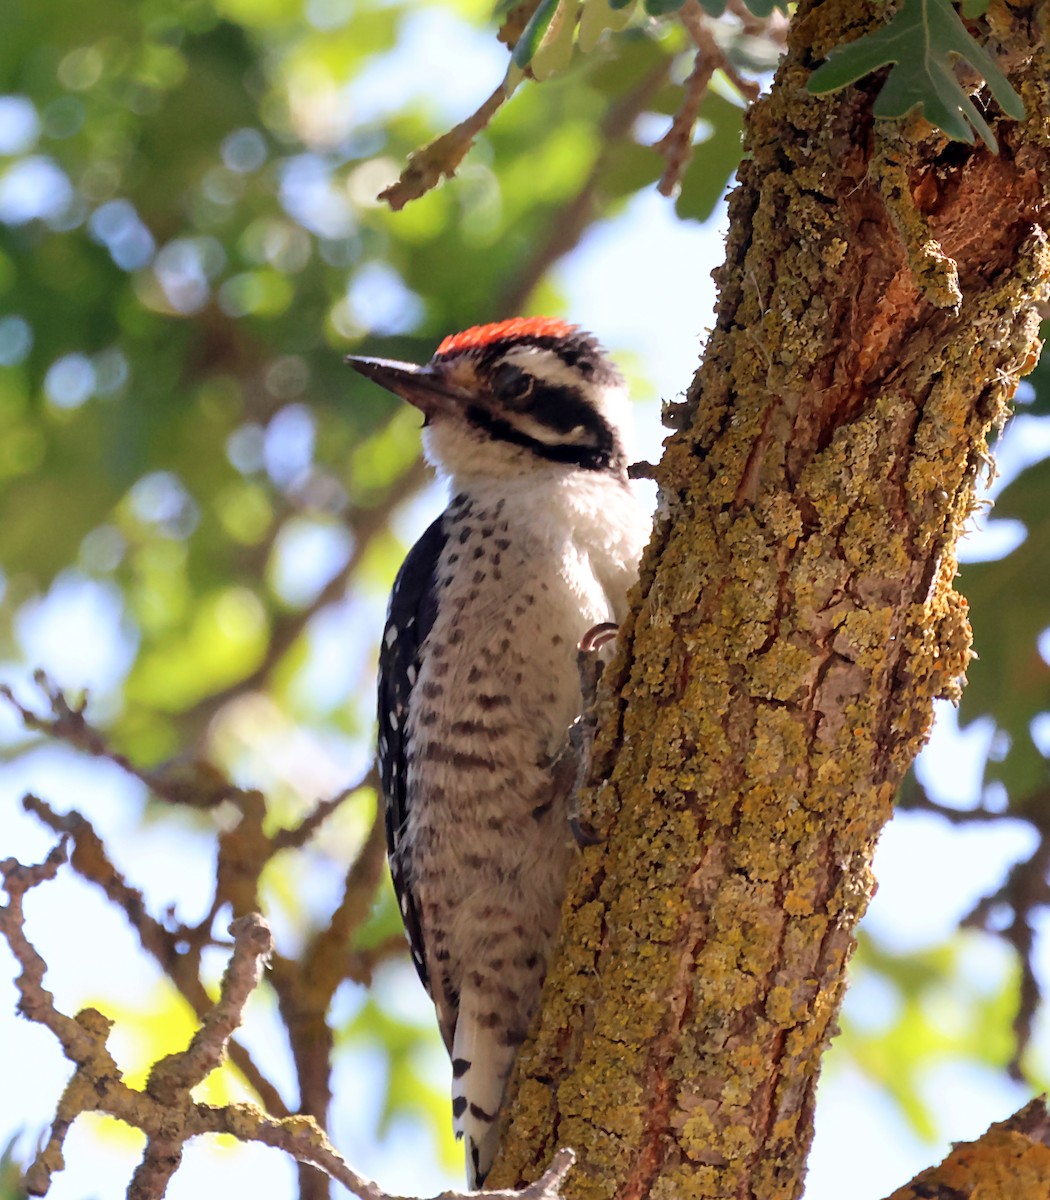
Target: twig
{"points": [[362, 964], [33, 1003], [914, 797], [677, 143], [1024, 890], [305, 986], [442, 156], [197, 784], [692, 16], [165, 1110], [774, 27], [311, 1146], [91, 862], [174, 1075], [325, 954], [298, 835]]}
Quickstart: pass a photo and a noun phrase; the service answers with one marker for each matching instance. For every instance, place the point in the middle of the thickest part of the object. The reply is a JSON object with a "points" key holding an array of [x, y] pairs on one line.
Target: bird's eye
{"points": [[512, 384]]}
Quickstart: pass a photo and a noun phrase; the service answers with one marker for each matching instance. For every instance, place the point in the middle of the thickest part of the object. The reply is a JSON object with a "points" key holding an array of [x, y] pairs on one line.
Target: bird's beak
{"points": [[422, 386]]}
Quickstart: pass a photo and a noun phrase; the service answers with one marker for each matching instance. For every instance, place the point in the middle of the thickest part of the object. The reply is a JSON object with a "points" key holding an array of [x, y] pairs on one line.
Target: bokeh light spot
{"points": [[19, 125], [16, 340], [244, 150], [70, 381]]}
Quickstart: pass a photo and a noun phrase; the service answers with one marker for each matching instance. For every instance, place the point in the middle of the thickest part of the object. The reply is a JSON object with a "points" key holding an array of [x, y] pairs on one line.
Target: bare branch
{"points": [[174, 1075], [443, 155], [194, 783], [165, 1110], [693, 18], [92, 863], [774, 27], [362, 964], [1024, 890], [244, 851], [677, 143], [305, 986], [34, 1002], [299, 835]]}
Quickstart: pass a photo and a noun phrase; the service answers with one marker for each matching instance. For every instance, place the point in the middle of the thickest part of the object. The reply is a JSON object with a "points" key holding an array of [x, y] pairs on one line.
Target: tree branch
{"points": [[677, 143], [1011, 1161], [182, 967], [913, 797], [304, 987], [165, 1110]]}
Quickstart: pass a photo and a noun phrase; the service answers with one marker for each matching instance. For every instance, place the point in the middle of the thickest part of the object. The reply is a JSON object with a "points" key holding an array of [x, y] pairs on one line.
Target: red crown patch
{"points": [[517, 327]]}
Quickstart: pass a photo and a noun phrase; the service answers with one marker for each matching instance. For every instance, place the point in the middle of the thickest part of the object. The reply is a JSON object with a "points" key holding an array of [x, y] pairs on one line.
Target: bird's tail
{"points": [[483, 1050]]}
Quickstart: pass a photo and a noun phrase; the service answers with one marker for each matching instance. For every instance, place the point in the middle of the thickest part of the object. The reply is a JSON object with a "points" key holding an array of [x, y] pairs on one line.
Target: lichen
{"points": [[794, 622]]}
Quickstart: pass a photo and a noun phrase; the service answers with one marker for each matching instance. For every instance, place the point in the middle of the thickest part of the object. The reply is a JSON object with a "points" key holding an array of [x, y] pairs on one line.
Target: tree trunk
{"points": [[794, 623]]}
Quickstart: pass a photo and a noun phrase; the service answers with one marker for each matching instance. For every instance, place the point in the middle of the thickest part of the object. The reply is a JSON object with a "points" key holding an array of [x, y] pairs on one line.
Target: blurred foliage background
{"points": [[201, 513]]}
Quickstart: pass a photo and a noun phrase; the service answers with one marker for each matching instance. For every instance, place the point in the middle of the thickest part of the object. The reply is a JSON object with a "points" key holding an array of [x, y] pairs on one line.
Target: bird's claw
{"points": [[583, 832], [598, 636], [581, 732]]}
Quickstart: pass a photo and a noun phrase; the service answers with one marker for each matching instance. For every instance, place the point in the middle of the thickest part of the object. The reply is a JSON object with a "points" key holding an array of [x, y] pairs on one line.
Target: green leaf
{"points": [[600, 15], [555, 51], [714, 160], [530, 39], [974, 8], [920, 41], [1010, 680], [763, 8], [661, 8], [714, 8]]}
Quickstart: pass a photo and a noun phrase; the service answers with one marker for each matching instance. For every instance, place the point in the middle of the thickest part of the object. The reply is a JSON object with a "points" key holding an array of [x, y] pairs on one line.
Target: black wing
{"points": [[413, 607]]}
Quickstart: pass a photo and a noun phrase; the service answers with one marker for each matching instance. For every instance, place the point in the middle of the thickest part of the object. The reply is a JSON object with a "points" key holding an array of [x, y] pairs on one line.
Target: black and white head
{"points": [[506, 399]]}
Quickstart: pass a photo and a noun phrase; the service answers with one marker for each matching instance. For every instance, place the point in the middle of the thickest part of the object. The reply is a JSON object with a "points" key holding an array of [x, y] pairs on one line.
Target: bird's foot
{"points": [[568, 766], [590, 664]]}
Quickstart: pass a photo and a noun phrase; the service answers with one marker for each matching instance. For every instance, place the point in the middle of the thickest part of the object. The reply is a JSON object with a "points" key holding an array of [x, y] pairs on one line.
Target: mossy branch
{"points": [[1012, 1159]]}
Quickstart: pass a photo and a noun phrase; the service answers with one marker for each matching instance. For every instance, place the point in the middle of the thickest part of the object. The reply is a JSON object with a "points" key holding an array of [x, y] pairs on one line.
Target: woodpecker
{"points": [[528, 421]]}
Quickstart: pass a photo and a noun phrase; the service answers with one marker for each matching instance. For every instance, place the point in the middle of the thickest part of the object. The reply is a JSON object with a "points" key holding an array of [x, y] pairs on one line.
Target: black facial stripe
{"points": [[603, 456], [562, 409]]}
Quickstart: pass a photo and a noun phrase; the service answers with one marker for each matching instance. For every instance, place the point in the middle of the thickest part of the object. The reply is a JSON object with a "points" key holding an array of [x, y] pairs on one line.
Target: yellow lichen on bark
{"points": [[1011, 1160], [794, 622]]}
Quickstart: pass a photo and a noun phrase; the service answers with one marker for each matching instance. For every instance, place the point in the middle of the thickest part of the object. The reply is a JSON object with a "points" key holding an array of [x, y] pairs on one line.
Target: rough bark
{"points": [[1011, 1161], [794, 622]]}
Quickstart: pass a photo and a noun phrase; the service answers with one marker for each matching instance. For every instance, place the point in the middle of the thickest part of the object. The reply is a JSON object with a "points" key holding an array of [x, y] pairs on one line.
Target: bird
{"points": [[528, 420]]}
